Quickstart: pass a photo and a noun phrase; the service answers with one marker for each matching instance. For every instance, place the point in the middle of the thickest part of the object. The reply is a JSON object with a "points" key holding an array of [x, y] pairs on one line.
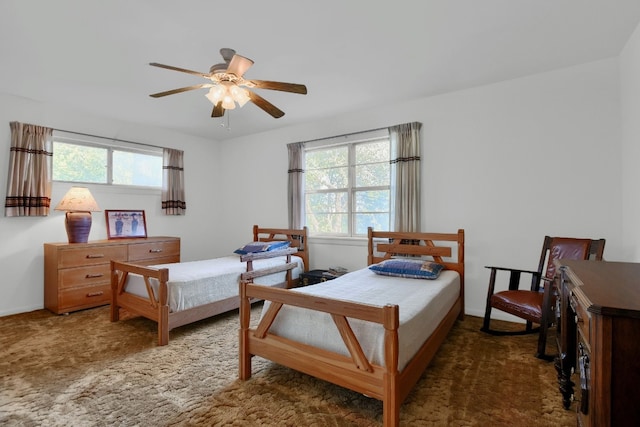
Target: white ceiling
{"points": [[352, 55]]}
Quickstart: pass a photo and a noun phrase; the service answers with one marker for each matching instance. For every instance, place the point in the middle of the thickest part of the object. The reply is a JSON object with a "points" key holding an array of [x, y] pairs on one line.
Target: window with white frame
{"points": [[347, 185], [89, 160]]}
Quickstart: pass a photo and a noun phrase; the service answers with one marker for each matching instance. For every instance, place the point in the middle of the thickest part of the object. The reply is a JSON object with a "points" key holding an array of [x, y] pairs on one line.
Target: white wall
{"points": [[21, 250], [630, 101], [509, 163]]}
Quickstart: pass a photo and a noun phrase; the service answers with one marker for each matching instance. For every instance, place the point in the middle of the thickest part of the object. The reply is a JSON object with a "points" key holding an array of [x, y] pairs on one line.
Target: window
{"points": [[347, 187], [118, 163]]}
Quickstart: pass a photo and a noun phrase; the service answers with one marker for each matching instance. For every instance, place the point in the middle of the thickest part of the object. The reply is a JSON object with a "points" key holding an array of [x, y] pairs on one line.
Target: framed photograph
{"points": [[125, 224]]}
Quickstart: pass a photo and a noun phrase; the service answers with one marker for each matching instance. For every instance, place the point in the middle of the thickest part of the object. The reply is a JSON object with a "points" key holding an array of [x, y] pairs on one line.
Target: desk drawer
{"points": [[91, 256], [582, 319], [154, 250]]}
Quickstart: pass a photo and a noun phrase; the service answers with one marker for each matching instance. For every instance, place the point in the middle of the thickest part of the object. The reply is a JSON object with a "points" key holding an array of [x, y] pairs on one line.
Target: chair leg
{"points": [[487, 310], [487, 319], [542, 343], [547, 314]]}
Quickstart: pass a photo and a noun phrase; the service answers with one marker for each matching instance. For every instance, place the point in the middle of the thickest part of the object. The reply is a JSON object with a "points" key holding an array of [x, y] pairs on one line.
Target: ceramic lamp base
{"points": [[78, 225]]}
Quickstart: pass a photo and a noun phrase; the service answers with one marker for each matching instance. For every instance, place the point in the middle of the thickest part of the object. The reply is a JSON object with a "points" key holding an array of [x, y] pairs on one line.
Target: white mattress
{"points": [[195, 283], [423, 304]]}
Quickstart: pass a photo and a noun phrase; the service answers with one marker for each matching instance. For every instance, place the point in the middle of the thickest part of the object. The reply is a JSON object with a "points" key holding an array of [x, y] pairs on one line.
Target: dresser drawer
{"points": [[154, 250], [91, 256], [77, 276], [84, 276], [582, 319], [84, 297]]}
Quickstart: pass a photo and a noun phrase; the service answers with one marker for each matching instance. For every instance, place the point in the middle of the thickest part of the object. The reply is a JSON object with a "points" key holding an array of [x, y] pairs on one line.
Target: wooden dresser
{"points": [[78, 276], [600, 341]]}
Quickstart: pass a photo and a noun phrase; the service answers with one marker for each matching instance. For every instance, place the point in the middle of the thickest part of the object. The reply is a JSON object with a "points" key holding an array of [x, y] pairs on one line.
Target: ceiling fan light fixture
{"points": [[227, 103], [215, 94], [228, 93], [239, 95]]}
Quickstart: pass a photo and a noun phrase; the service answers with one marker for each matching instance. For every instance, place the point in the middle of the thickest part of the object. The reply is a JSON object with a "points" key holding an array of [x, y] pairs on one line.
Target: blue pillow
{"points": [[262, 247], [413, 269]]}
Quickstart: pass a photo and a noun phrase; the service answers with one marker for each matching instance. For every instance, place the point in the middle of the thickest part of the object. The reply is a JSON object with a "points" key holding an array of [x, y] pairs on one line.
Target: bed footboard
{"points": [[354, 371], [155, 304]]}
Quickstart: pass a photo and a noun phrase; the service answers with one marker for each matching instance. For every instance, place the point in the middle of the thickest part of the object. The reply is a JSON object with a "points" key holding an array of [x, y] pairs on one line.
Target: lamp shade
{"points": [[78, 203], [78, 199]]}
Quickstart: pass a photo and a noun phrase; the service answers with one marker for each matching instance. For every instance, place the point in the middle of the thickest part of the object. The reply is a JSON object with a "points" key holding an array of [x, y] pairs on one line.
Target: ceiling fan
{"points": [[228, 87]]}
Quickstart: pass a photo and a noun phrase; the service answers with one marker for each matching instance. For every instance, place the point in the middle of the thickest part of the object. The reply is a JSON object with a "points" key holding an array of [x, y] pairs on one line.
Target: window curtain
{"points": [[405, 176], [30, 171], [173, 200], [296, 185]]}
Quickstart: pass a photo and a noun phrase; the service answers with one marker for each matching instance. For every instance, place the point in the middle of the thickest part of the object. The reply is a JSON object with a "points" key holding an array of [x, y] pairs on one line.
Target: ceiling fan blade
{"points": [[285, 87], [179, 90], [182, 70], [227, 54], [239, 65], [218, 111], [265, 105]]}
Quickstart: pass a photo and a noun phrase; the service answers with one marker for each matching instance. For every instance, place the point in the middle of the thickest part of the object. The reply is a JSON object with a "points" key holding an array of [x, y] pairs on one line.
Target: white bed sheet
{"points": [[195, 283], [423, 304]]}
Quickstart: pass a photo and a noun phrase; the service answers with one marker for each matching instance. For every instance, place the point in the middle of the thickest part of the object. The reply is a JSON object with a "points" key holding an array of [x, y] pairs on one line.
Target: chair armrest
{"points": [[514, 278], [535, 273]]}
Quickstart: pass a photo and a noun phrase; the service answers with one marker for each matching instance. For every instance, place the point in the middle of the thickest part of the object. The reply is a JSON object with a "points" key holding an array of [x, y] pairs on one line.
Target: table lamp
{"points": [[78, 204]]}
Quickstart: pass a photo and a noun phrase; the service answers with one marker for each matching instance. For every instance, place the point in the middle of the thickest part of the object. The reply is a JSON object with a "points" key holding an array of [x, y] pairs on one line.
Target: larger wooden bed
{"points": [[384, 381], [154, 303]]}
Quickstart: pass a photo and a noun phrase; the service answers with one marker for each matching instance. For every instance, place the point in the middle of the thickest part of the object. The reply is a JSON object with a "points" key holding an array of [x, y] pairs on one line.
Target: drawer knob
{"points": [[95, 294], [93, 276], [155, 251], [91, 256], [578, 319]]}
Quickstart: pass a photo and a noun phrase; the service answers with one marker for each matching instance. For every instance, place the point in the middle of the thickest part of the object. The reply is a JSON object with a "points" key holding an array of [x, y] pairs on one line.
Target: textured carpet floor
{"points": [[83, 370]]}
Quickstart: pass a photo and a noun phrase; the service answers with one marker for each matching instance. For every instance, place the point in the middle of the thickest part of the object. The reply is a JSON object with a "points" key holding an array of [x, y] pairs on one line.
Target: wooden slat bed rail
{"points": [[155, 305], [355, 372], [296, 238]]}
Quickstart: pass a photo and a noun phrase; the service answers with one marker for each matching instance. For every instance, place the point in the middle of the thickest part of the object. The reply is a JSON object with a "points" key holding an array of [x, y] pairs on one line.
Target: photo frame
{"points": [[126, 224]]}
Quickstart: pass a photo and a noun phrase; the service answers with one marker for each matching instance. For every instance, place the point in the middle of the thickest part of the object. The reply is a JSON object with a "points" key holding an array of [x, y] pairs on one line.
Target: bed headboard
{"points": [[436, 246], [296, 237]]}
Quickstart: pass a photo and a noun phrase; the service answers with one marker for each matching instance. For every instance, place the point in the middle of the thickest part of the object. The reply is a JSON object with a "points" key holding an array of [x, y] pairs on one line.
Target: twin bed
{"points": [[176, 294], [374, 334]]}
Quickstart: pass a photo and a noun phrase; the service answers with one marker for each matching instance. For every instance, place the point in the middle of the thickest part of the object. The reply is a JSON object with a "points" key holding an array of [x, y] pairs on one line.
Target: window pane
{"points": [[373, 175], [79, 163], [373, 152], [372, 201], [137, 169], [335, 156], [327, 212], [333, 223], [327, 202], [379, 222], [347, 187], [326, 178]]}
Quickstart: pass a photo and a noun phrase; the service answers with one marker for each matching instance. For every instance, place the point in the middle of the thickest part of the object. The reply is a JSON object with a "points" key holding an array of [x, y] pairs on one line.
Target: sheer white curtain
{"points": [[30, 170], [405, 176], [173, 200], [296, 185]]}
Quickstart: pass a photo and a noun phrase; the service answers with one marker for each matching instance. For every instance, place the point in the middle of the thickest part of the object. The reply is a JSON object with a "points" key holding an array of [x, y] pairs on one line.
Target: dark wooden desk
{"points": [[599, 340]]}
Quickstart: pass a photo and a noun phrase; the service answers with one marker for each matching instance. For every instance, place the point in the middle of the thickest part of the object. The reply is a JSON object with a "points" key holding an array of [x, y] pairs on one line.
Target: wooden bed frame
{"points": [[156, 307], [357, 373]]}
